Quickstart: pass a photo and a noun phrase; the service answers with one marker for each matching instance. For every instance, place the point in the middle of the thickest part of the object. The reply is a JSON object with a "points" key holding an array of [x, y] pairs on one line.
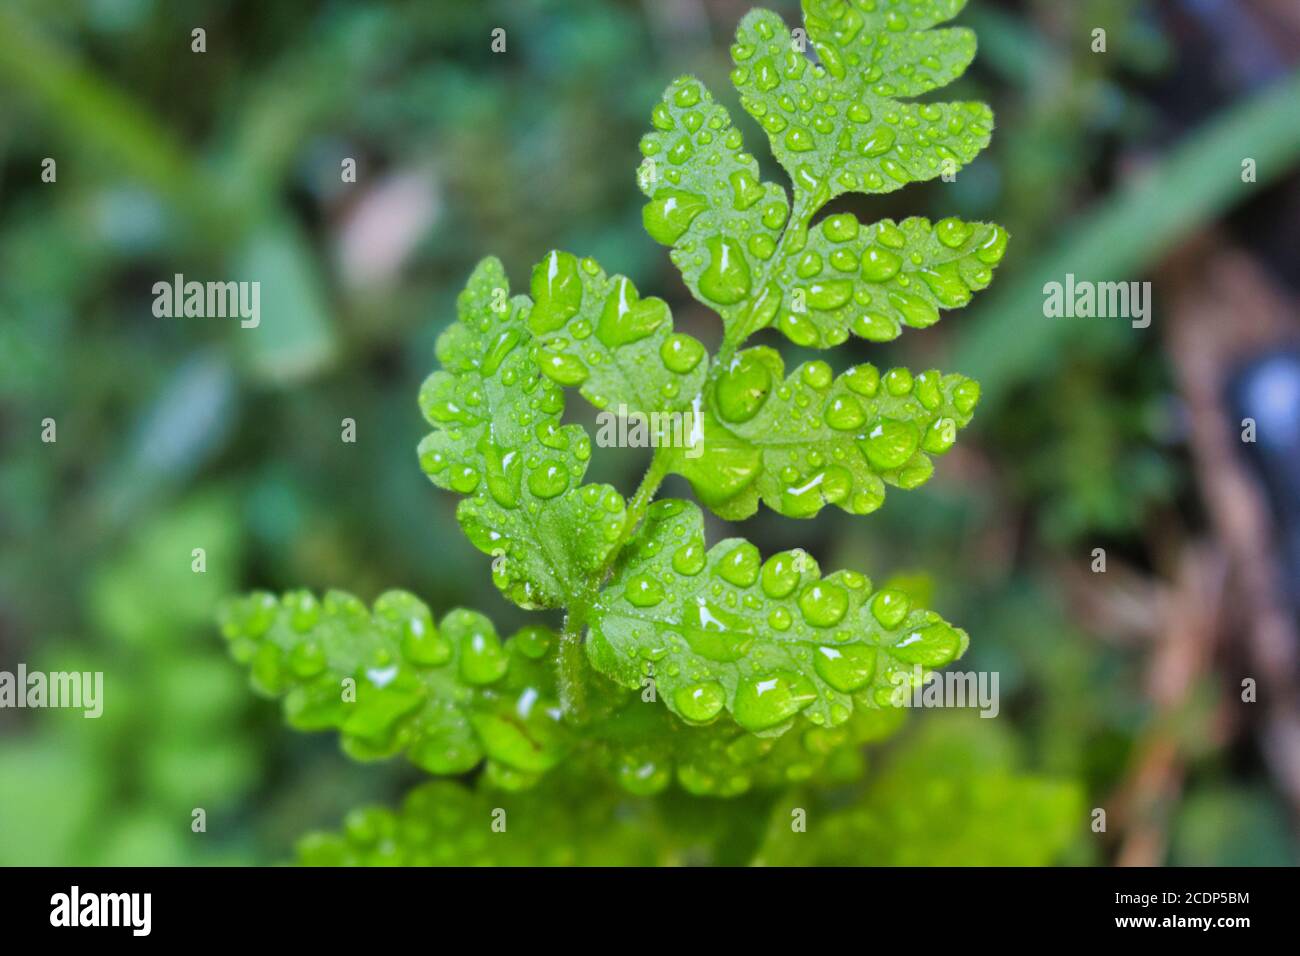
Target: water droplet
{"points": [[809, 265], [526, 737], [642, 590], [816, 374], [992, 249], [557, 292], [966, 396], [825, 296], [304, 610], [940, 436], [917, 312], [464, 479], [800, 140], [562, 368], [932, 646], [774, 214], [681, 151], [504, 472], [307, 659], [671, 213], [643, 777], [823, 604], [740, 565], [895, 170], [946, 283], [952, 232], [846, 668], [743, 388], [879, 142], [762, 246], [687, 95], [533, 641], [726, 279], [714, 632], [681, 353], [888, 234], [805, 500], [890, 444], [890, 607], [798, 328], [840, 228], [741, 51], [422, 645], [689, 558], [747, 189], [845, 413], [898, 382], [764, 702], [880, 265], [699, 703], [548, 479], [858, 113], [863, 379], [876, 327], [626, 318], [501, 347], [482, 658], [781, 573]]}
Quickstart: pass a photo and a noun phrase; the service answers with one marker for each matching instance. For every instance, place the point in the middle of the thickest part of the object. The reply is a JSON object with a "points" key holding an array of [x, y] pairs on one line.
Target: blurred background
{"points": [[1129, 164]]}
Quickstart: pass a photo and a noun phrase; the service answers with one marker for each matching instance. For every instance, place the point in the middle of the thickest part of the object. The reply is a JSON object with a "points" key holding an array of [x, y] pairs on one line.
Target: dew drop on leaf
{"points": [[845, 668], [765, 702], [699, 703], [726, 279]]}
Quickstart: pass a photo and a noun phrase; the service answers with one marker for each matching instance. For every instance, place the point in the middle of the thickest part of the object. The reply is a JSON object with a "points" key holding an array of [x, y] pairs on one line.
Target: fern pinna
{"points": [[677, 661]]}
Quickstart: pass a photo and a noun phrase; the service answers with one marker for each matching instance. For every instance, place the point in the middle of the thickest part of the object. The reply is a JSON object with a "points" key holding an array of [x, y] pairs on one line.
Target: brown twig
{"points": [[1223, 309]]}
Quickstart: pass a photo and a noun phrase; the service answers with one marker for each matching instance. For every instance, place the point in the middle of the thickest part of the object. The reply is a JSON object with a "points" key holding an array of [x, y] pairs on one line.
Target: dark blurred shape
{"points": [[1267, 390]]}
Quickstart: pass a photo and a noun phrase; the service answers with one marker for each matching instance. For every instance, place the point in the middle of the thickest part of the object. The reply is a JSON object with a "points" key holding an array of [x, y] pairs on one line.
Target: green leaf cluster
{"points": [[709, 666]]}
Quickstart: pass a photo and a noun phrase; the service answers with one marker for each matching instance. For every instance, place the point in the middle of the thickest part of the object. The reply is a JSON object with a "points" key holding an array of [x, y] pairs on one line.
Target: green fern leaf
{"points": [[704, 667], [808, 440], [950, 795], [872, 281], [499, 440], [391, 682], [839, 126], [446, 824], [836, 126], [722, 630], [707, 203], [595, 331], [646, 748]]}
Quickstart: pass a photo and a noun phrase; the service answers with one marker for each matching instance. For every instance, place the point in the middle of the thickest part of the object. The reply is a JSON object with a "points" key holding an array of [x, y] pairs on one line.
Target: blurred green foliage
{"points": [[181, 434]]}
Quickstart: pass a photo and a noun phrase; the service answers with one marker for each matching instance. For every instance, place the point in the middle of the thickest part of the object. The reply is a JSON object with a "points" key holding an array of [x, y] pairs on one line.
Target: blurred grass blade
{"points": [[88, 111], [1008, 338], [293, 338]]}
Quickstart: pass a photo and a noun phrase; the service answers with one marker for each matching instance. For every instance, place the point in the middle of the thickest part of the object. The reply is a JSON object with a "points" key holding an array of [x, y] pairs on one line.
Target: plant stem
{"points": [[792, 240], [640, 502], [572, 663], [572, 666]]}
